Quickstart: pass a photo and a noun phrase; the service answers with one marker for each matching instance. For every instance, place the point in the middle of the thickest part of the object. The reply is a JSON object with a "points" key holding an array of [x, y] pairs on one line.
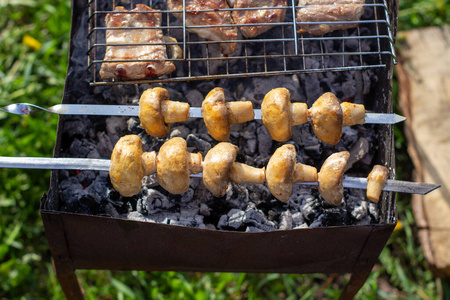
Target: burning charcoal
{"points": [[264, 141], [133, 125], [258, 193], [116, 127], [286, 220], [187, 197], [358, 151], [195, 98], [235, 218], [256, 217], [250, 147], [311, 208], [364, 221], [349, 137], [97, 190], [179, 131], [359, 211], [162, 217], [152, 202], [111, 211], [204, 210], [237, 195], [86, 177], [253, 229], [373, 211], [298, 220], [81, 148], [136, 216], [223, 222], [248, 132], [71, 191], [77, 127], [150, 181], [105, 145], [198, 144]]}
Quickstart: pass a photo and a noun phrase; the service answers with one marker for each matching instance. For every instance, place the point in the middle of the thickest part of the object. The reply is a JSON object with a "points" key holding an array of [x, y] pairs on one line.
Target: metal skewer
{"points": [[104, 164], [133, 110]]}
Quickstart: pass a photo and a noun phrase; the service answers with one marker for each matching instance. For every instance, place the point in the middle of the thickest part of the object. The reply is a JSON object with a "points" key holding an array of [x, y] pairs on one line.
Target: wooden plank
{"points": [[424, 93]]}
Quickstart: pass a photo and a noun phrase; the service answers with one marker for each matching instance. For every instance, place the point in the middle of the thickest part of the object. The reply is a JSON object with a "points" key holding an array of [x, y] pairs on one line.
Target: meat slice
{"points": [[194, 17], [263, 15], [146, 54], [329, 11]]}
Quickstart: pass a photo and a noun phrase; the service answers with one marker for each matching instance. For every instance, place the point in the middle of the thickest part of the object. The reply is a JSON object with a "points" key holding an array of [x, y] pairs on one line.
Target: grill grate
{"points": [[280, 51]]}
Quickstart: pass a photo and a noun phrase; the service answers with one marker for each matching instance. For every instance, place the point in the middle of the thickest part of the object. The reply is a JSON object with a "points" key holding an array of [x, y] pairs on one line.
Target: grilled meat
{"points": [[267, 14], [328, 11], [194, 17], [146, 54]]}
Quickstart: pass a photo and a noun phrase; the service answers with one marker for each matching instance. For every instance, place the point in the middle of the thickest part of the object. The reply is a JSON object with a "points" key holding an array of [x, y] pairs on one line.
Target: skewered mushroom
{"points": [[327, 116], [129, 164], [376, 181], [218, 114], [282, 171], [219, 167], [157, 112], [175, 164], [279, 114], [330, 177]]}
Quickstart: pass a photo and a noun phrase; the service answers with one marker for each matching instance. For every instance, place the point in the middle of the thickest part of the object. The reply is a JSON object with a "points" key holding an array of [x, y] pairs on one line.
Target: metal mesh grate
{"points": [[281, 50]]}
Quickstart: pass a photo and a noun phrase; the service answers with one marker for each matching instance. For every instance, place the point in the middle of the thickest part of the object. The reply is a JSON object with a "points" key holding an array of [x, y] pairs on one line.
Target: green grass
{"points": [[29, 73]]}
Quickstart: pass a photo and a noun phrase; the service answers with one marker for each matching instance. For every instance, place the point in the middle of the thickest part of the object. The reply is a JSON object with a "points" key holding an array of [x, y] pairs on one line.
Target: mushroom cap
{"points": [[279, 172], [326, 119], [126, 170], [215, 114], [150, 112], [275, 112], [172, 169], [330, 177], [216, 167]]}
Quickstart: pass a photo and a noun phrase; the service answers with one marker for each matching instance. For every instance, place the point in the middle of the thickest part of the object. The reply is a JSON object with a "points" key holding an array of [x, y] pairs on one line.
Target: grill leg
{"points": [[68, 281], [357, 280]]}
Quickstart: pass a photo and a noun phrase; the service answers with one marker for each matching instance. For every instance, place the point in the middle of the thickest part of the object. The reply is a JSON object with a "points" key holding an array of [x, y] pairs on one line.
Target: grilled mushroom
{"points": [[129, 164], [218, 114], [330, 177], [157, 112], [175, 164], [282, 171], [327, 118], [353, 114], [219, 167], [279, 114], [376, 181]]}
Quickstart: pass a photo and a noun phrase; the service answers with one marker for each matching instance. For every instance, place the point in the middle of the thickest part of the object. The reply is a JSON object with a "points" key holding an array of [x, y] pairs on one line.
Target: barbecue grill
{"points": [[80, 240]]}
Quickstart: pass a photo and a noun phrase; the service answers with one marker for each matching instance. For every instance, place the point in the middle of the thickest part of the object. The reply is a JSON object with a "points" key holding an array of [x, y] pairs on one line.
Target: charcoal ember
{"points": [[335, 216], [179, 131], [264, 141], [153, 201], [258, 193], [349, 137], [110, 210], [86, 177], [262, 85], [198, 144], [235, 218], [250, 147], [204, 210], [194, 183], [150, 181], [358, 151], [77, 127], [71, 191], [162, 217], [136, 216], [255, 217], [223, 222], [188, 196], [98, 188], [374, 211], [116, 127], [236, 196], [311, 208], [365, 221], [248, 132], [133, 125], [253, 229], [298, 221], [195, 98], [286, 220], [194, 221], [81, 148], [105, 145]]}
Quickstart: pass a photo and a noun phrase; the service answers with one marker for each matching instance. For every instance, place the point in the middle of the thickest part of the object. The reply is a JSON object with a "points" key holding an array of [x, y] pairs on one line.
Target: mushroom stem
{"points": [[174, 111], [376, 182], [299, 113], [242, 173], [354, 114], [195, 163], [240, 111], [304, 173], [149, 162]]}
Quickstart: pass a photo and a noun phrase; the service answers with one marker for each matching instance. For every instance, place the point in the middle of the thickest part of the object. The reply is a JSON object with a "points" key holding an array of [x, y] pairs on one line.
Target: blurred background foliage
{"points": [[34, 41]]}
